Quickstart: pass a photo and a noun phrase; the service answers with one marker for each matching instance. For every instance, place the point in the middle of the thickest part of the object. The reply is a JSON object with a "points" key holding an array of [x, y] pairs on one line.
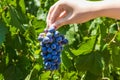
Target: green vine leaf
{"points": [[84, 48], [90, 62], [3, 31]]}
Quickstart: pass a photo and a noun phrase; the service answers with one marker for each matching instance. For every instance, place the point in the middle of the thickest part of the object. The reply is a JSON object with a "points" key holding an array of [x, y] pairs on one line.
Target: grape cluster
{"points": [[51, 42]]}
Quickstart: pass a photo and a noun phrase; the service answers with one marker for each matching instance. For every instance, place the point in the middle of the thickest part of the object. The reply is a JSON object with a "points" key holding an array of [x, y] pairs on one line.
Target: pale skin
{"points": [[65, 12]]}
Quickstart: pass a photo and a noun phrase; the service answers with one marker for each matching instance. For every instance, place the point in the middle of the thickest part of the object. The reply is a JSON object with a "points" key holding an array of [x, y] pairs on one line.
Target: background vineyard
{"points": [[93, 52]]}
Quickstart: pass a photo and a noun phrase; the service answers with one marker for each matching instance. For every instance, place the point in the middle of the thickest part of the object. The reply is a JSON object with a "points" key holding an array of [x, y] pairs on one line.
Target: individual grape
{"points": [[62, 37], [44, 49], [49, 56], [47, 45], [53, 46], [65, 41], [49, 50], [40, 38], [51, 40], [46, 40], [44, 58], [55, 58], [49, 35], [58, 48], [42, 44], [48, 65], [45, 30], [56, 34], [59, 39], [51, 29], [54, 52]]}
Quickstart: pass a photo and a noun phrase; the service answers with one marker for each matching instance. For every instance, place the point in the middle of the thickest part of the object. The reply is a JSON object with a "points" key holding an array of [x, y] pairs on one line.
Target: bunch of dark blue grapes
{"points": [[51, 42]]}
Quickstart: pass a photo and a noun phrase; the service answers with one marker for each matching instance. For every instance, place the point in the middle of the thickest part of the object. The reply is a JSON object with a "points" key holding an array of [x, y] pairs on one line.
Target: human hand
{"points": [[69, 11]]}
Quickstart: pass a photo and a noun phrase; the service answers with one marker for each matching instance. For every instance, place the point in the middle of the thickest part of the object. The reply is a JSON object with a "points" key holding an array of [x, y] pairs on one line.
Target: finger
{"points": [[49, 13], [62, 15], [56, 13]]}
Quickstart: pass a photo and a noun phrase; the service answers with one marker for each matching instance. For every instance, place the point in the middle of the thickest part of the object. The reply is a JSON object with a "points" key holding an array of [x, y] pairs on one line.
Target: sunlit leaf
{"points": [[45, 75], [85, 47]]}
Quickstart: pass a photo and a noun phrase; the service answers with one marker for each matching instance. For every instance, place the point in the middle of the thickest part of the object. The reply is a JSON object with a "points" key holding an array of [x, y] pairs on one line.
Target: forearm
{"points": [[107, 8]]}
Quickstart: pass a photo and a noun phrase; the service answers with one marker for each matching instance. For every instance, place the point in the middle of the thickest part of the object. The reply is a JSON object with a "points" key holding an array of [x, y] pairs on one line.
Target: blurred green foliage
{"points": [[93, 52]]}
